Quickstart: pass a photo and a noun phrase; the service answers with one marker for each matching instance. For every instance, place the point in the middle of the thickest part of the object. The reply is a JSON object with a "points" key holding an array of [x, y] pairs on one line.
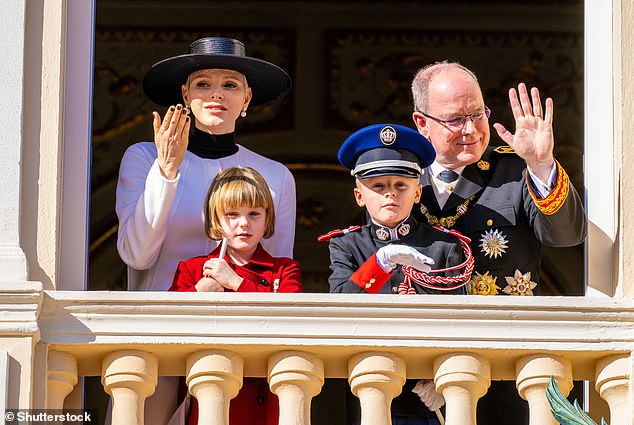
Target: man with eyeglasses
{"points": [[509, 200]]}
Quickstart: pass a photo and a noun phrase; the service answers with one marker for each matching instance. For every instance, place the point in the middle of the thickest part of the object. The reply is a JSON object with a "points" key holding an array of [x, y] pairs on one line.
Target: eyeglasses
{"points": [[458, 122]]}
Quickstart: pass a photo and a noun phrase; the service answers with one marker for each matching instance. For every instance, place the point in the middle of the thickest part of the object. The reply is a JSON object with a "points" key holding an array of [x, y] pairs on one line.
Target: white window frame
{"points": [[601, 145], [76, 148]]}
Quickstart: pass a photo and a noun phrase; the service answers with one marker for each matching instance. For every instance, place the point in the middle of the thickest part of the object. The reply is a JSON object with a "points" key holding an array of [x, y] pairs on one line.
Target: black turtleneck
{"points": [[211, 146]]}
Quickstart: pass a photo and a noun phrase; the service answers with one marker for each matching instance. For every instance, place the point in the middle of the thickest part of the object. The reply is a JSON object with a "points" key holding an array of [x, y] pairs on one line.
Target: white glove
{"points": [[391, 255], [426, 390]]}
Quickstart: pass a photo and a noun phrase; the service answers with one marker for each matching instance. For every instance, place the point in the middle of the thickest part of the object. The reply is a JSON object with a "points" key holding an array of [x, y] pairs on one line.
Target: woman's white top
{"points": [[161, 222]]}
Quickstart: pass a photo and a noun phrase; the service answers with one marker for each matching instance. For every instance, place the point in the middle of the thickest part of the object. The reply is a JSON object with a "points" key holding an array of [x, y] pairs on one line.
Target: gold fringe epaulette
{"points": [[556, 198]]}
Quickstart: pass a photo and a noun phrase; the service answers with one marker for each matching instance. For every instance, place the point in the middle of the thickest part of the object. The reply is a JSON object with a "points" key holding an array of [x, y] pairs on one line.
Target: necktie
{"points": [[448, 176]]}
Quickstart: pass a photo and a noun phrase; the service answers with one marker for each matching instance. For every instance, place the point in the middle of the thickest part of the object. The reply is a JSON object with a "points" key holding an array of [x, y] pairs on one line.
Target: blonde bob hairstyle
{"points": [[233, 188]]}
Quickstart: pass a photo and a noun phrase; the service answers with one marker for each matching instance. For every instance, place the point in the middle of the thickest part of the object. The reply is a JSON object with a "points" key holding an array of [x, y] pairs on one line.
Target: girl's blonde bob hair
{"points": [[233, 188]]}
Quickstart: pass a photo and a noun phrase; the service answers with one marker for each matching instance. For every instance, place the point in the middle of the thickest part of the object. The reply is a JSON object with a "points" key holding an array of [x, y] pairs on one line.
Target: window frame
{"points": [[602, 56], [72, 263]]}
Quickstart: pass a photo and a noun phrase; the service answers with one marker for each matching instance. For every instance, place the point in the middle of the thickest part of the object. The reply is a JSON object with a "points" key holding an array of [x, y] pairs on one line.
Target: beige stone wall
{"points": [[42, 143], [626, 82]]}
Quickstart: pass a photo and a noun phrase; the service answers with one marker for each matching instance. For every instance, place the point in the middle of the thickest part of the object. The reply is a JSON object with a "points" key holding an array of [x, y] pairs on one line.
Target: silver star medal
{"points": [[493, 243]]}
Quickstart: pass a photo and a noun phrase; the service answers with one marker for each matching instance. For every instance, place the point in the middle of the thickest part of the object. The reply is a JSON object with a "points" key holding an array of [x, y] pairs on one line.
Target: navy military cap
{"points": [[386, 149]]}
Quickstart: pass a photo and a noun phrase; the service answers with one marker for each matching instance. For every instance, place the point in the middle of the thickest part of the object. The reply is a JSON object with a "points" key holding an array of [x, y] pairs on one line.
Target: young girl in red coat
{"points": [[239, 211]]}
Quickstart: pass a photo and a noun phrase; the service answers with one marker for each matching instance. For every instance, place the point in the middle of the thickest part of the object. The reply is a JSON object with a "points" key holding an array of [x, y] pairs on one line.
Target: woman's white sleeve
{"points": [[281, 244], [144, 200]]}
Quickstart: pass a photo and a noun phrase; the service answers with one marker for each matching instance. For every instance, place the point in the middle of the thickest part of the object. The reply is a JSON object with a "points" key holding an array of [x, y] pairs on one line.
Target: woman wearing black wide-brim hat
{"points": [[162, 184]]}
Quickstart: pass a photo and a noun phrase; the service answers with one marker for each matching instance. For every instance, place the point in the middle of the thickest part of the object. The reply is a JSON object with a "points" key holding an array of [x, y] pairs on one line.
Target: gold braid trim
{"points": [[504, 149], [556, 198], [446, 222]]}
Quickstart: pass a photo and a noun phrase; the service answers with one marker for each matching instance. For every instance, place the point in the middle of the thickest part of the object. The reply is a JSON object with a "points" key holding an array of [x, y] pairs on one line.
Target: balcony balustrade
{"points": [[298, 340]]}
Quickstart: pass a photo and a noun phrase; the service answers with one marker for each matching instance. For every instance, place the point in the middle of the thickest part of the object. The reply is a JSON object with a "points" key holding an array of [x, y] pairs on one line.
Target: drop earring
{"points": [[243, 113]]}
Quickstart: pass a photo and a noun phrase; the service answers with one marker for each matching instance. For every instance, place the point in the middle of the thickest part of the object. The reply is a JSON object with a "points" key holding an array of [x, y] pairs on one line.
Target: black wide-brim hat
{"points": [[162, 83]]}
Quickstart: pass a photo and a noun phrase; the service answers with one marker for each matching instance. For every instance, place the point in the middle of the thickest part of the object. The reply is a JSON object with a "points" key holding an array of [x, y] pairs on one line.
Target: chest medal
{"points": [[493, 243]]}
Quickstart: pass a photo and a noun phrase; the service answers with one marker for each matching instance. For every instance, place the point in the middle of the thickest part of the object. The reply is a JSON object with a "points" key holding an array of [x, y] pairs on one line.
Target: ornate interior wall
{"points": [[351, 63]]}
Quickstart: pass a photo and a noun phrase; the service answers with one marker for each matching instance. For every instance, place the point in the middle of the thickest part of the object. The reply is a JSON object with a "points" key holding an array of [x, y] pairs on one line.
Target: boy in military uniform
{"points": [[394, 253], [387, 161]]}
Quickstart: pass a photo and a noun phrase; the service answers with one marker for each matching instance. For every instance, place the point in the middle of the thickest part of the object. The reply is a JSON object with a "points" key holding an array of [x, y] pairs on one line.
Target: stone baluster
{"points": [[533, 375], [61, 377], [612, 383], [376, 378], [462, 378], [214, 377], [129, 376], [295, 377]]}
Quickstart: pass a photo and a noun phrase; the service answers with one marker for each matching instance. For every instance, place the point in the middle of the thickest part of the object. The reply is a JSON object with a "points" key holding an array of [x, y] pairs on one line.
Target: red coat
{"points": [[260, 273], [255, 404]]}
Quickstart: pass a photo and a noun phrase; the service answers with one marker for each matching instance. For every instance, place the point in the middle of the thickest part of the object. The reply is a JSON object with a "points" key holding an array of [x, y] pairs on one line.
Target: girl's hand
{"points": [[171, 137], [207, 284], [221, 271]]}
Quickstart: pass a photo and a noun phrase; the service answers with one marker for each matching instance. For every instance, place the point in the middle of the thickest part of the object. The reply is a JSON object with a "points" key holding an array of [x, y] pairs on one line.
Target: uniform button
{"points": [[260, 399], [489, 222], [450, 188], [368, 285]]}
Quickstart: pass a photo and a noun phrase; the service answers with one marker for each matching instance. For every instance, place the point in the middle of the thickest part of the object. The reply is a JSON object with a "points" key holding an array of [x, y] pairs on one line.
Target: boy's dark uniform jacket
{"points": [[353, 254], [503, 202]]}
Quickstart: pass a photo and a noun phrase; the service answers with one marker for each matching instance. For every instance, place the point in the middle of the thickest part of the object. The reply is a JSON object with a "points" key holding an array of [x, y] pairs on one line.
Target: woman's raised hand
{"points": [[171, 137]]}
